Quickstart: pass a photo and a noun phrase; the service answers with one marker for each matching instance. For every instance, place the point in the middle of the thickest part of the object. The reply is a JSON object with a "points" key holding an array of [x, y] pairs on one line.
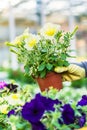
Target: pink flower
{"points": [[3, 84]]}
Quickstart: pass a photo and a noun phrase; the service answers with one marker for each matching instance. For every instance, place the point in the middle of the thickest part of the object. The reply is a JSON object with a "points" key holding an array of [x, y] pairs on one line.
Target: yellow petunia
{"points": [[18, 40], [15, 96], [49, 30], [4, 109], [31, 41], [14, 99]]}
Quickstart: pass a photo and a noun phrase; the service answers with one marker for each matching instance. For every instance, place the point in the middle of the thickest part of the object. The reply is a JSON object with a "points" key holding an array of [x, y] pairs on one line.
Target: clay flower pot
{"points": [[52, 79]]}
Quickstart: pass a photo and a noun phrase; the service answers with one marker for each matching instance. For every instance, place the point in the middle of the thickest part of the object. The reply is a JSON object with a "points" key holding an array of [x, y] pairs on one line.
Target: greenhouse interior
{"points": [[43, 64]]}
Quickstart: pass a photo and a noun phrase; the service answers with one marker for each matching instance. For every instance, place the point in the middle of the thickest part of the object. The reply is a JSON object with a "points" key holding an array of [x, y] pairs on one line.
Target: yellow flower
{"points": [[50, 30], [14, 96], [14, 99], [4, 109], [25, 34], [19, 39], [31, 41]]}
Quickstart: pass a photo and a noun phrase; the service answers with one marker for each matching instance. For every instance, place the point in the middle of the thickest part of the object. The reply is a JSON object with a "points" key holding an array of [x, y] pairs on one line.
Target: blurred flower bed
{"points": [[25, 108], [18, 75]]}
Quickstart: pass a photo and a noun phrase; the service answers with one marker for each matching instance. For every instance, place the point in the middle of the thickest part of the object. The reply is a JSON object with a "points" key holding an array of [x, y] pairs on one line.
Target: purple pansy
{"points": [[83, 101], [3, 84], [33, 111], [47, 102], [68, 114]]}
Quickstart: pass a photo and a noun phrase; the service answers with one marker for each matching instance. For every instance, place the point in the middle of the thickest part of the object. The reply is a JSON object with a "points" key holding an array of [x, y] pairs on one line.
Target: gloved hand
{"points": [[71, 73]]}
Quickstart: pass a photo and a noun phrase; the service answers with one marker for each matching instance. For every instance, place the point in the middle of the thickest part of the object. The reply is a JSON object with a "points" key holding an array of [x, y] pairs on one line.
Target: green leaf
{"points": [[44, 50], [41, 67], [63, 56], [1, 128], [58, 35], [26, 69], [77, 113], [66, 63], [60, 63], [76, 126], [42, 74], [49, 66], [74, 31]]}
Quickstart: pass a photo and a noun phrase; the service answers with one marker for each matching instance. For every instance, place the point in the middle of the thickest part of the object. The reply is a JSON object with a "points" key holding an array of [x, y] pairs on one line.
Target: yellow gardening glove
{"points": [[70, 73]]}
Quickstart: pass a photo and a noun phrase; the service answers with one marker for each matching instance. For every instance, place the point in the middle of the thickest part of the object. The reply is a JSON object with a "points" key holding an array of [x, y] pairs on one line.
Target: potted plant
{"points": [[41, 53]]}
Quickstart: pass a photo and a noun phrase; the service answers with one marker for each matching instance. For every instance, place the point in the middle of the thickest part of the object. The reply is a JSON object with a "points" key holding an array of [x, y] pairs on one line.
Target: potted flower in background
{"points": [[41, 53]]}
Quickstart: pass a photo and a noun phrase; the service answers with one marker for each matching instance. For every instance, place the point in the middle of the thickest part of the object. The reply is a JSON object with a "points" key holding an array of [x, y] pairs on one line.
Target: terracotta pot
{"points": [[52, 79]]}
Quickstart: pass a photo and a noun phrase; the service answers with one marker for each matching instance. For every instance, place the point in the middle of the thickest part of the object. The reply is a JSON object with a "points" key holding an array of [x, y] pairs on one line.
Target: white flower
{"points": [[31, 41], [1, 99], [18, 40], [49, 30], [14, 99]]}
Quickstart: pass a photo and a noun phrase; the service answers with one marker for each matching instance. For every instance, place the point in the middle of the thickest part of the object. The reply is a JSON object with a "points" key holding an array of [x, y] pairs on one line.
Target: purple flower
{"points": [[38, 126], [68, 115], [83, 101], [12, 112], [82, 120], [47, 102], [3, 84], [33, 111]]}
